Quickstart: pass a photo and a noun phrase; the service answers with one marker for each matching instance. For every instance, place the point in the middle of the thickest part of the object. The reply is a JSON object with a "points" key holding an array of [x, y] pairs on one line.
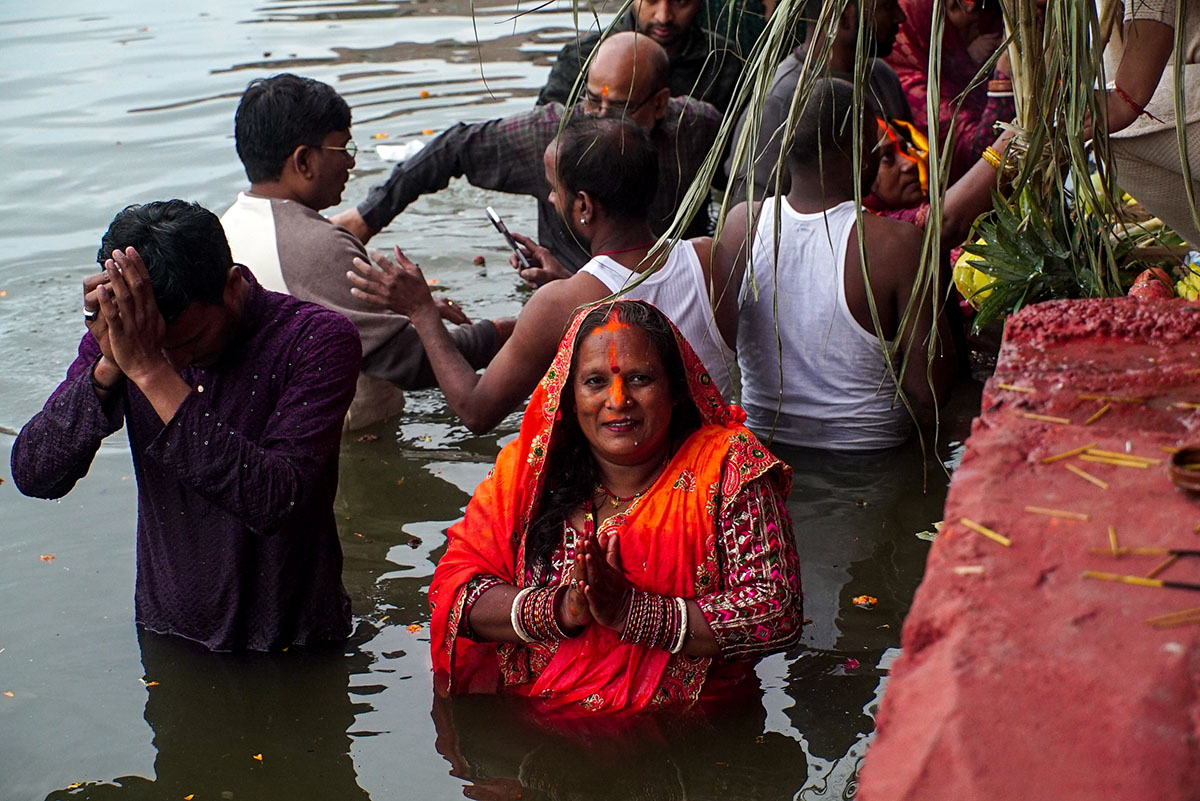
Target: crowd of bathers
{"points": [[631, 548]]}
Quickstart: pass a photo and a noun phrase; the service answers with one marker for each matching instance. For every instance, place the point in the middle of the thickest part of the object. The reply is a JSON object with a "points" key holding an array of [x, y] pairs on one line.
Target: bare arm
{"points": [[725, 266], [927, 378], [1148, 46], [480, 401], [970, 196]]}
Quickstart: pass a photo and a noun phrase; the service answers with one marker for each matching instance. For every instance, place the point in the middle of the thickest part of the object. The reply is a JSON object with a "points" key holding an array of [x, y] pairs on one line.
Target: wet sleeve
{"points": [[56, 447], [758, 609], [262, 481]]}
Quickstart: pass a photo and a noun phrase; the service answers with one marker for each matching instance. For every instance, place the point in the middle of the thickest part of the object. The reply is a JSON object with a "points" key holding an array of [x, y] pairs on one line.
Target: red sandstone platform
{"points": [[1019, 678]]}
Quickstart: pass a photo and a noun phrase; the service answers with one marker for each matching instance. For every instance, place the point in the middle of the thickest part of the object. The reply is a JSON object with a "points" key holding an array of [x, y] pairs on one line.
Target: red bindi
{"points": [[615, 369]]}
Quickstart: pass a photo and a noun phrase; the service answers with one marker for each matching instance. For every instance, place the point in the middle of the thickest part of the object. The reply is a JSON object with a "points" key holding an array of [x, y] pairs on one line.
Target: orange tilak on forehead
{"points": [[612, 327], [604, 92]]}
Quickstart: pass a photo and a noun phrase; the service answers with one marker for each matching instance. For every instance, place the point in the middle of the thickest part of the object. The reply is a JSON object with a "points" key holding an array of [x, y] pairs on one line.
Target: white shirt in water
{"points": [[833, 389], [679, 290]]}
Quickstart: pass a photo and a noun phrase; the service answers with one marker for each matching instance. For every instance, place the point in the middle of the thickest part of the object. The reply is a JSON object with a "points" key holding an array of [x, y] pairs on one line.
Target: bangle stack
{"points": [[656, 621], [998, 161], [533, 615]]}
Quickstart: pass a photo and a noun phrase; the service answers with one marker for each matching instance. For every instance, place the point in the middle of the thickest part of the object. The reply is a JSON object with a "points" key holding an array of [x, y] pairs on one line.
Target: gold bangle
{"points": [[993, 157]]}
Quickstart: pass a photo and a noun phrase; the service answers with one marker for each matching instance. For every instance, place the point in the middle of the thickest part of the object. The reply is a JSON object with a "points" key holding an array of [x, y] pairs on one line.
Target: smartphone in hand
{"points": [[512, 243]]}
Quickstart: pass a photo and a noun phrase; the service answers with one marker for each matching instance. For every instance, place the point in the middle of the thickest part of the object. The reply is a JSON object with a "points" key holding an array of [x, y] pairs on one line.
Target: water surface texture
{"points": [[112, 103]]}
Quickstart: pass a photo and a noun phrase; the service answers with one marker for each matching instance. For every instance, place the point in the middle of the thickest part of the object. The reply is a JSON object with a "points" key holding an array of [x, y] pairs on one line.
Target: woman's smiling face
{"points": [[622, 395]]}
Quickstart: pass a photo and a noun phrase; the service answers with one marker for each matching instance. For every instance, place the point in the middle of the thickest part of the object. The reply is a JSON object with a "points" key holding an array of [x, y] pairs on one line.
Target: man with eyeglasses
{"points": [[628, 78], [293, 137], [703, 64]]}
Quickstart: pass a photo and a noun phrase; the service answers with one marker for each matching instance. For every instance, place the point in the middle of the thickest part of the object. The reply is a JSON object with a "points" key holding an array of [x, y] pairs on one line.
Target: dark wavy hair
{"points": [[183, 246], [570, 470], [278, 114]]}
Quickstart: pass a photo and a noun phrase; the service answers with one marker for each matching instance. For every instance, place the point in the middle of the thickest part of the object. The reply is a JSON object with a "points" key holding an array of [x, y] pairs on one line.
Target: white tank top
{"points": [[833, 389], [678, 289]]}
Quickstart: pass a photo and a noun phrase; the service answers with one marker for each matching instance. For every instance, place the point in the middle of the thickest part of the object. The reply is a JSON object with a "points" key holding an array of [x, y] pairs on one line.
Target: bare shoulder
{"points": [[738, 220], [549, 310], [703, 245], [895, 242]]}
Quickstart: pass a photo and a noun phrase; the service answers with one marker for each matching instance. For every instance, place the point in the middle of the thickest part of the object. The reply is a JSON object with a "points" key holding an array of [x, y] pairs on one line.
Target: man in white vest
{"points": [[817, 370]]}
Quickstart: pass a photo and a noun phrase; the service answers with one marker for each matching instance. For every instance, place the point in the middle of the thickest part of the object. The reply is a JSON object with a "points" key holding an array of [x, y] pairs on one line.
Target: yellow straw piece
{"points": [[1102, 411], [1126, 457], [1112, 399], [1183, 614], [1012, 388], [1138, 580], [1169, 449], [1127, 551], [1186, 405], [1086, 476], [1042, 510], [1174, 624], [1068, 454], [1112, 540], [985, 531], [1163, 565], [1043, 417], [1087, 457]]}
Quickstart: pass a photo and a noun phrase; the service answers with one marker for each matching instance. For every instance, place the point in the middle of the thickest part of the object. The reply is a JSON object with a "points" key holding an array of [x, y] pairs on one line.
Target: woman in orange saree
{"points": [[630, 549]]}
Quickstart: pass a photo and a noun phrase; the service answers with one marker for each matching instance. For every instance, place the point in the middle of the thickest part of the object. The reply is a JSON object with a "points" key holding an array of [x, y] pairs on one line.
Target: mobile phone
{"points": [[503, 229]]}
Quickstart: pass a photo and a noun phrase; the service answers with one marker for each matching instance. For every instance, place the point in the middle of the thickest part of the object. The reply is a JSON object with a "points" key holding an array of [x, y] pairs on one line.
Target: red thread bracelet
{"points": [[1141, 110]]}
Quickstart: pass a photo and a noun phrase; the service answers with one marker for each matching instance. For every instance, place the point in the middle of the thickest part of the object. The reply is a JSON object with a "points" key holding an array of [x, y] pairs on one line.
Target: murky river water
{"points": [[110, 103]]}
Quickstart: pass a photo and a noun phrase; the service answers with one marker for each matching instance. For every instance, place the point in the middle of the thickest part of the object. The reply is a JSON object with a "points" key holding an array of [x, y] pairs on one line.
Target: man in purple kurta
{"points": [[234, 398]]}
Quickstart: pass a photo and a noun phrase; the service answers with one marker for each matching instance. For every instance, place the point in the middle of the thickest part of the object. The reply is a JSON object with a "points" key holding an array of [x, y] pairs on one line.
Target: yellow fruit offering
{"points": [[974, 285]]}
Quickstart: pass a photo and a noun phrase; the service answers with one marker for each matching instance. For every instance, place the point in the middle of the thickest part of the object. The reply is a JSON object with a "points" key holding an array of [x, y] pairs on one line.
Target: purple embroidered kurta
{"points": [[236, 541]]}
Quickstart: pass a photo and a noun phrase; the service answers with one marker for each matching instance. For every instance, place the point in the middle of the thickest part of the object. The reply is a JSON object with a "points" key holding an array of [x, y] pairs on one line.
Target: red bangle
{"points": [[1121, 93]]}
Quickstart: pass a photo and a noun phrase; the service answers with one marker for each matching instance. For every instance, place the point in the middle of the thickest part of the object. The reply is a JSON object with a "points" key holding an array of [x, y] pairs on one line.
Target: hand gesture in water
{"points": [[606, 588]]}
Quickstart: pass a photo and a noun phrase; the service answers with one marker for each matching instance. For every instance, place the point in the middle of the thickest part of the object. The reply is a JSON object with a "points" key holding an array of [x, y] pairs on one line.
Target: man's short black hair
{"points": [[824, 133], [183, 246], [278, 114], [613, 160]]}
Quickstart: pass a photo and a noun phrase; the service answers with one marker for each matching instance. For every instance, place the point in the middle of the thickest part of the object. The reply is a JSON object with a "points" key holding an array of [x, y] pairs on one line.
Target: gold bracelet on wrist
{"points": [[993, 157]]}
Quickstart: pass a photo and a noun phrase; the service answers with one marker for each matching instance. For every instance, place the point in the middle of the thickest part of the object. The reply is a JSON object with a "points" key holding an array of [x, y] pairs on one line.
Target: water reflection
{"points": [[242, 726], [502, 751]]}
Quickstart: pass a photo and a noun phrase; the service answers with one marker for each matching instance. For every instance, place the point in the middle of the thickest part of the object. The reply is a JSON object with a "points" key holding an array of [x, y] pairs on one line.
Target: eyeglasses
{"points": [[612, 108], [350, 149]]}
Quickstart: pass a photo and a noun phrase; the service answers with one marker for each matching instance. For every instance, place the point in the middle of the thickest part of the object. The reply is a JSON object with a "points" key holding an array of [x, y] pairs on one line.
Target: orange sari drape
{"points": [[668, 547]]}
